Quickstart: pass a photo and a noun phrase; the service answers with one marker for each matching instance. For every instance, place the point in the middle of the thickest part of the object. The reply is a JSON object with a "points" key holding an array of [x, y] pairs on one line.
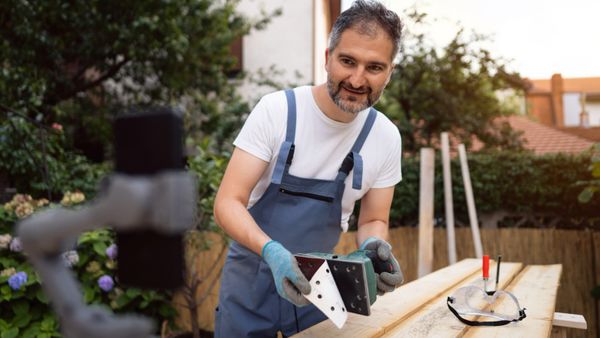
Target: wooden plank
{"points": [[435, 320], [426, 183], [354, 327], [596, 252], [448, 201], [558, 332], [569, 320], [464, 166], [535, 288], [572, 248], [393, 307]]}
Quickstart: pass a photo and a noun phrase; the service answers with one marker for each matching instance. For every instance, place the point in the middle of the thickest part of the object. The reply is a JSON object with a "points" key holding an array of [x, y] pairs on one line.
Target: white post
{"points": [[448, 204], [426, 211], [470, 200]]}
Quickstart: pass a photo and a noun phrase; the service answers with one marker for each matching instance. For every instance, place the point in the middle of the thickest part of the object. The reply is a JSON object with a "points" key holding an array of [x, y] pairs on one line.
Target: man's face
{"points": [[358, 69]]}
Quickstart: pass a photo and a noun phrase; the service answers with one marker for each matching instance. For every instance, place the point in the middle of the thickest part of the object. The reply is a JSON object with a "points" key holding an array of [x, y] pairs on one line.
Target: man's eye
{"points": [[347, 61], [375, 68]]}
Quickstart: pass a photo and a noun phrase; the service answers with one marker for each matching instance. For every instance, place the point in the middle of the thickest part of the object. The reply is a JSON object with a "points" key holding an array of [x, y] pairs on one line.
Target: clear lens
{"points": [[472, 302]]}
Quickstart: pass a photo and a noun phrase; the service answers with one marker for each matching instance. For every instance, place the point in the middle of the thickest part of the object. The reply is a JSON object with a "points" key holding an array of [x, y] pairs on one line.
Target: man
{"points": [[302, 159]]}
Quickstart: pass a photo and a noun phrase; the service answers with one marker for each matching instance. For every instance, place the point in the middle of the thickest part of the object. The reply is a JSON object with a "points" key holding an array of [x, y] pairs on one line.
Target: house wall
{"points": [[540, 108], [572, 109], [321, 26], [556, 102], [593, 109], [286, 43]]}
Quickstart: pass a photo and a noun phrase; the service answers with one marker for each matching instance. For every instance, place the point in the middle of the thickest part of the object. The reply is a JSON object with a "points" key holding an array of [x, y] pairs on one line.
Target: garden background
{"points": [[69, 68]]}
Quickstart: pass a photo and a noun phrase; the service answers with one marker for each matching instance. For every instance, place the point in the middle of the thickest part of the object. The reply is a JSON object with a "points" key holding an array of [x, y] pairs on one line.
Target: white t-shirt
{"points": [[321, 144]]}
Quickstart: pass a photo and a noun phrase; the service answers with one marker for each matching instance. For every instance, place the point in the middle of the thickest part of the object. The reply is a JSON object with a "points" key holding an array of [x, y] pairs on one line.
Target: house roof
{"points": [[538, 138], [577, 85], [543, 139], [591, 133]]}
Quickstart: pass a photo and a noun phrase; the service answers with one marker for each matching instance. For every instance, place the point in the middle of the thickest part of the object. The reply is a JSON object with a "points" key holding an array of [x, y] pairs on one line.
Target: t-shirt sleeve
{"points": [[390, 172], [257, 134]]}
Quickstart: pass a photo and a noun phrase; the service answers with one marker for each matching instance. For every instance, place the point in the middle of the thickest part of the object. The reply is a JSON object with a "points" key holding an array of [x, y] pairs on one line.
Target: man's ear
{"points": [[326, 57]]}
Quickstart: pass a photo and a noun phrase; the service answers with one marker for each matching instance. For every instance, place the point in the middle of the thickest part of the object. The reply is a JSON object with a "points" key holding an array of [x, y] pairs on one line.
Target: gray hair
{"points": [[367, 17]]}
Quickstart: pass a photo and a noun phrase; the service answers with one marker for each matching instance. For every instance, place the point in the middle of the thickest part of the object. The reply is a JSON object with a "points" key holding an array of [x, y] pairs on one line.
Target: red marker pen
{"points": [[486, 271]]}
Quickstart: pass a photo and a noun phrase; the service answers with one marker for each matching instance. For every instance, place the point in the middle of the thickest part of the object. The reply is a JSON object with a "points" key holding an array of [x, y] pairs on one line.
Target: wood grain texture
{"points": [[392, 308], [569, 320], [435, 320], [577, 250], [535, 288]]}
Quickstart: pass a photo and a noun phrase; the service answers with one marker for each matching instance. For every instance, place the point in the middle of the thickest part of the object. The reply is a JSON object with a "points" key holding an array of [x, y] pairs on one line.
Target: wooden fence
{"points": [[577, 250]]}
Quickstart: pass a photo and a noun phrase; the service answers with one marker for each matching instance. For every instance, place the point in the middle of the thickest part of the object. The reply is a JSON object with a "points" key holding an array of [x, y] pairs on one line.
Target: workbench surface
{"points": [[419, 309]]}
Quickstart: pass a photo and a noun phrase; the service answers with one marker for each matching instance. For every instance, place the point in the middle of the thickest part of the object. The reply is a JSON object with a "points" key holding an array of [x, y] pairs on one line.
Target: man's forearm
{"points": [[233, 217], [375, 228]]}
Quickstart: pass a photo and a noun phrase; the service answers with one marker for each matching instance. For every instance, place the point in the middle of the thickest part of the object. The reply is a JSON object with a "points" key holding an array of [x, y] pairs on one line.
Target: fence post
{"points": [[448, 203], [464, 165], [426, 212]]}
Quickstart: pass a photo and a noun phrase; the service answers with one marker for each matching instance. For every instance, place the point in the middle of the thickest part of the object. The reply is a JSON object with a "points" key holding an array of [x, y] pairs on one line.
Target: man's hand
{"points": [[289, 280], [386, 281]]}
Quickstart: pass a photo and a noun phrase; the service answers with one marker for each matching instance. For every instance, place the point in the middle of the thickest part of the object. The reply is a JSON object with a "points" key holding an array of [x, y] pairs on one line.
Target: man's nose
{"points": [[357, 78]]}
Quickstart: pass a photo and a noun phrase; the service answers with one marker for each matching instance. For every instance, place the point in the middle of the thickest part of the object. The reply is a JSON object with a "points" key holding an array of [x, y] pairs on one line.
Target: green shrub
{"points": [[24, 307], [208, 165], [593, 185], [36, 159], [519, 182]]}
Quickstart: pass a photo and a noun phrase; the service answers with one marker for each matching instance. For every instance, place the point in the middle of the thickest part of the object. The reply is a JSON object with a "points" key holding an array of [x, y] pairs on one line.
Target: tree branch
{"points": [[108, 74]]}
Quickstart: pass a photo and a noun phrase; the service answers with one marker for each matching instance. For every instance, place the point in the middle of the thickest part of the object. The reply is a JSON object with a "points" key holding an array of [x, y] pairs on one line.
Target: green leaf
{"points": [[48, 324], [167, 311], [21, 308], [41, 296], [100, 248], [22, 320], [11, 333], [586, 195], [133, 292], [88, 295], [33, 331]]}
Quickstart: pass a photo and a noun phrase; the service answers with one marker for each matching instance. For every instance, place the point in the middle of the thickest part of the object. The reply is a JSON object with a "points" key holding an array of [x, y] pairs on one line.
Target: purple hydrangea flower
{"points": [[15, 245], [106, 283], [17, 280], [112, 251]]}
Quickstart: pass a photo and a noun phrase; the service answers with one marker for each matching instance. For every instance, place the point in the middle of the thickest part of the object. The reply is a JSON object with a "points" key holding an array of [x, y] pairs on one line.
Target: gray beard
{"points": [[354, 109]]}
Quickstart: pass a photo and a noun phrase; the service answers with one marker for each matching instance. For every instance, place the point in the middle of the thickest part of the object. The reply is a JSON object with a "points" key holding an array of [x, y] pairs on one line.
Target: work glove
{"points": [[289, 280], [386, 281]]}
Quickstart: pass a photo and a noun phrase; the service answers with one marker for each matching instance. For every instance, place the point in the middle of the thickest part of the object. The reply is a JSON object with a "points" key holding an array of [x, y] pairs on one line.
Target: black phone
{"points": [[147, 142]]}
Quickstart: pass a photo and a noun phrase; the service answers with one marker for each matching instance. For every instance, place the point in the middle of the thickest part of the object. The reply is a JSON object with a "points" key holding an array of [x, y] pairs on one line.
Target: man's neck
{"points": [[328, 107]]}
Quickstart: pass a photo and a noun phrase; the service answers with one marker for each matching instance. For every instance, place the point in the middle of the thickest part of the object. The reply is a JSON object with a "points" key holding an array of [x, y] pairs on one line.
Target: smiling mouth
{"points": [[356, 92]]}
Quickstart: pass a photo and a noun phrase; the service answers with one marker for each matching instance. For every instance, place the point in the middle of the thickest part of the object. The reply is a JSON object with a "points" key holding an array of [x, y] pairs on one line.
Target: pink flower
{"points": [[58, 127]]}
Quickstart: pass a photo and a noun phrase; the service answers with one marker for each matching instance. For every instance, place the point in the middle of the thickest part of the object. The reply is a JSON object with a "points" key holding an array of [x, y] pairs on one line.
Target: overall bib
{"points": [[304, 215]]}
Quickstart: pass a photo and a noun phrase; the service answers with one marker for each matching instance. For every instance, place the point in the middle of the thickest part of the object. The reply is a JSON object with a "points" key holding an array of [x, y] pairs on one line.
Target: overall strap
{"points": [[286, 152], [355, 152]]}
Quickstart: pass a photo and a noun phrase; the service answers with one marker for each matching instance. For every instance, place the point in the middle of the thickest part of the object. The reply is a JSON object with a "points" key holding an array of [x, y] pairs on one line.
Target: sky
{"points": [[538, 37]]}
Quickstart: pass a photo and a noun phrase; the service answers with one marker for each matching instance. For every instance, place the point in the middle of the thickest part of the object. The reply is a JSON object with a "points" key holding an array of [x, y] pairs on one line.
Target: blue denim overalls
{"points": [[302, 214]]}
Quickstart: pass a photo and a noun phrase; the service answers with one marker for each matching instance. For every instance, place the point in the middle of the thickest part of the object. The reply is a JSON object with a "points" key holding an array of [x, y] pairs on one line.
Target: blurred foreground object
{"points": [[149, 201]]}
